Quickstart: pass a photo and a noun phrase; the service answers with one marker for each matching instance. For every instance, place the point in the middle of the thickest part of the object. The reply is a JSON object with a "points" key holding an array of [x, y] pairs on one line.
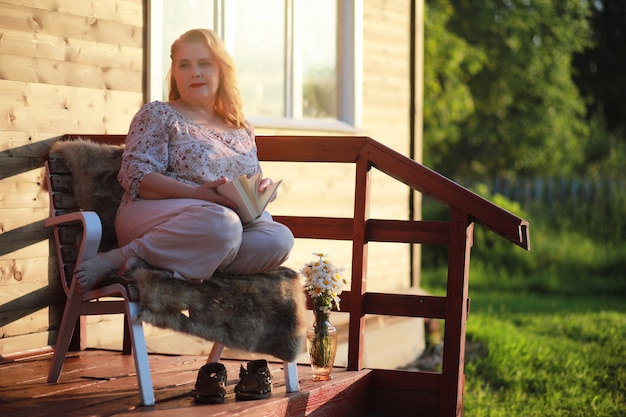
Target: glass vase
{"points": [[322, 345]]}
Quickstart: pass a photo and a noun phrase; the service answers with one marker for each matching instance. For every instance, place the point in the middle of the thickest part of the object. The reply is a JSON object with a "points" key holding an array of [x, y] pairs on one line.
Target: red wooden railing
{"points": [[401, 393]]}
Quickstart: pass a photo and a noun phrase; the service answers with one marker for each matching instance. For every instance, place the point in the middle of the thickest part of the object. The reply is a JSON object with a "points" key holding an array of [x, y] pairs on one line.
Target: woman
{"points": [[176, 154], [171, 216]]}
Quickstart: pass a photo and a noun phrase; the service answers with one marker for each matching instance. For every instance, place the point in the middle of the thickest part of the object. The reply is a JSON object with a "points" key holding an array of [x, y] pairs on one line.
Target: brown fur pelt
{"points": [[94, 170], [263, 313]]}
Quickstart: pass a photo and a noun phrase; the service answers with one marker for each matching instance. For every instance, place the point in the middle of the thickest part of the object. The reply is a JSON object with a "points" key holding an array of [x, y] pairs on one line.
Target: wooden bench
{"points": [[84, 196]]}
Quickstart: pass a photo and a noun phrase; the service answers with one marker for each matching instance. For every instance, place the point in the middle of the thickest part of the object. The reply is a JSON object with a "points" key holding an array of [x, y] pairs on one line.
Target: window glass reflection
{"points": [[319, 59], [260, 55], [180, 16]]}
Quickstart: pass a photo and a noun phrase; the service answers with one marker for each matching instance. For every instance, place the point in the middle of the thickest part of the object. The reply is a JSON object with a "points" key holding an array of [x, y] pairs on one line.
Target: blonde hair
{"points": [[228, 104]]}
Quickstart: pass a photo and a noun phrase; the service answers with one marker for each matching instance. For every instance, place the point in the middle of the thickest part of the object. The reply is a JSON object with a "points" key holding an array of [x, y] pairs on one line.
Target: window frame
{"points": [[349, 65]]}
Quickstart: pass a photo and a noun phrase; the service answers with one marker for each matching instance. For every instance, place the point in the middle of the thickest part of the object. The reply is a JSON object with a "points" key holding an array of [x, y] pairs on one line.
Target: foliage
{"points": [[450, 62], [570, 252], [600, 69], [527, 114], [592, 206], [599, 217], [605, 152], [546, 328]]}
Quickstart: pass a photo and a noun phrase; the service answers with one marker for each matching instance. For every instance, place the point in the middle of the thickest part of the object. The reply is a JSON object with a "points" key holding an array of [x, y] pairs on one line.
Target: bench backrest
{"points": [[84, 182]]}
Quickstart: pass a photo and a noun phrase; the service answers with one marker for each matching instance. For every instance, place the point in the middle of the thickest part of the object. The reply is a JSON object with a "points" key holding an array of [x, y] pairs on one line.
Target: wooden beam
{"points": [[318, 227], [404, 231], [447, 192], [359, 266], [404, 305], [404, 393], [457, 304], [407, 231], [309, 148]]}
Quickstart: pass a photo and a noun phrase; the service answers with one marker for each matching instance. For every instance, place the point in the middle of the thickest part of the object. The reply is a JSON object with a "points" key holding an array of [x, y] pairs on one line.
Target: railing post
{"points": [[457, 305], [359, 265]]}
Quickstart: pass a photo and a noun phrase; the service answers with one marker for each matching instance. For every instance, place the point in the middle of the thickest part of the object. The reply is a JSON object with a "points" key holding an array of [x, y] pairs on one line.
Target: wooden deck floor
{"points": [[103, 383]]}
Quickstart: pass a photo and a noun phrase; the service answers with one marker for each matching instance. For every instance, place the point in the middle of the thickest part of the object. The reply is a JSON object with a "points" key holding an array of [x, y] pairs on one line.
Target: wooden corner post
{"points": [[457, 305]]}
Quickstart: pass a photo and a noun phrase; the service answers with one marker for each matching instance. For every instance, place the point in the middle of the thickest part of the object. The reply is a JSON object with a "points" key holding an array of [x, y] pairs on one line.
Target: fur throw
{"points": [[261, 313], [94, 170]]}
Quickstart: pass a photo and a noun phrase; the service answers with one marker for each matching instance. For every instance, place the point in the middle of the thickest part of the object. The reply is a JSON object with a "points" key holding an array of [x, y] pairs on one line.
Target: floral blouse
{"points": [[160, 139]]}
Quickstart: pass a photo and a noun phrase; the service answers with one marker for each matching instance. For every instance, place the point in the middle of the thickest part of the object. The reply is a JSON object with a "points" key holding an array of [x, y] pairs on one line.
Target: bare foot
{"points": [[132, 263], [93, 271]]}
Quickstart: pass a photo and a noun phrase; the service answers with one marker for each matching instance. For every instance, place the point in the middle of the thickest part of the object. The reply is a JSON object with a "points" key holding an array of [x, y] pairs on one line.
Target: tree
{"points": [[601, 68], [449, 63], [528, 116], [600, 74]]}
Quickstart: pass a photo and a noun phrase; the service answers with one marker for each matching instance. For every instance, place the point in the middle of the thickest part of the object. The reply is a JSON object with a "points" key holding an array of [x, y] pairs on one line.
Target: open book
{"points": [[244, 191]]}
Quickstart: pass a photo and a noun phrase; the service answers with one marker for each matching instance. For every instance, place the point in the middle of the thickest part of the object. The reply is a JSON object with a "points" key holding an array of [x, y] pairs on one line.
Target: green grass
{"points": [[546, 334], [546, 356], [532, 354]]}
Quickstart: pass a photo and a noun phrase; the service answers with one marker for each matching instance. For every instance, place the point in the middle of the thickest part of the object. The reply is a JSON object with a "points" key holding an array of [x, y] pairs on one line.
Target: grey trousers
{"points": [[194, 238]]}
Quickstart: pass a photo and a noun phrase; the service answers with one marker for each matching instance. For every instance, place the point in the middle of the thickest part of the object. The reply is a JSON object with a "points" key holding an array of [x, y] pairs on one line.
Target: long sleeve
{"points": [[146, 148]]}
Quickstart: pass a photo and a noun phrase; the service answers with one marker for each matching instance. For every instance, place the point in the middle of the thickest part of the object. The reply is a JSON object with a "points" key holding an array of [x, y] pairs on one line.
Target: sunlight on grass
{"points": [[564, 364], [546, 334]]}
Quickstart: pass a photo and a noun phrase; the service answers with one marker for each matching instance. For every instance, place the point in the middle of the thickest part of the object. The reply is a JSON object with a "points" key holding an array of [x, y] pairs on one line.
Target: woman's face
{"points": [[196, 73]]}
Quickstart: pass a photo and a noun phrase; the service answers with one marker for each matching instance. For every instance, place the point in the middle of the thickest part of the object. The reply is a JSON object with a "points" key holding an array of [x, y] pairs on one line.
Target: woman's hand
{"points": [[264, 184], [158, 186], [208, 192]]}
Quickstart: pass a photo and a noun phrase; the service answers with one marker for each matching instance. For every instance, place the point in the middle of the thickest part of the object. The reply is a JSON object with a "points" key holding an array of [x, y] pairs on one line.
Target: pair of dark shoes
{"points": [[255, 383]]}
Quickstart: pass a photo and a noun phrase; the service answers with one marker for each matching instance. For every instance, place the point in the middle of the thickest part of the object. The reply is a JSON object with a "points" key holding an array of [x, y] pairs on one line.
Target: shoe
{"points": [[211, 384], [255, 383]]}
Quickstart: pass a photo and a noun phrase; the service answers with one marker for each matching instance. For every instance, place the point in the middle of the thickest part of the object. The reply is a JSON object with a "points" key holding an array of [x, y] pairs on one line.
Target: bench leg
{"points": [[71, 314], [140, 354], [216, 352], [127, 347], [291, 376]]}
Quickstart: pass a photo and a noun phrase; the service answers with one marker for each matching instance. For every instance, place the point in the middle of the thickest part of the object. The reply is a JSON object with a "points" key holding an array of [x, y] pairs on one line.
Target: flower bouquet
{"points": [[323, 282]]}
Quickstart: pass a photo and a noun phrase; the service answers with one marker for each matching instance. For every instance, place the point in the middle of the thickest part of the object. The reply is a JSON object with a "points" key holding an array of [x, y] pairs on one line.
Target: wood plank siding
{"points": [[65, 66], [79, 67]]}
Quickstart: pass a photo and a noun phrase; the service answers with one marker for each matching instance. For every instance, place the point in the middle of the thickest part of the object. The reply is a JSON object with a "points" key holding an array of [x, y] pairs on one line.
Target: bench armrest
{"points": [[89, 240]]}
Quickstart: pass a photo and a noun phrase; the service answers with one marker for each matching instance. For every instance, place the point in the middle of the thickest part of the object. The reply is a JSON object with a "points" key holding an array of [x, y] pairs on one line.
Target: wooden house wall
{"points": [[386, 118], [70, 66], [66, 66]]}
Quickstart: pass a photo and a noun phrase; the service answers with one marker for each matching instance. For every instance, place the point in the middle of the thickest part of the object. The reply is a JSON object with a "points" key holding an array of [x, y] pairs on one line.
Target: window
{"points": [[296, 59]]}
